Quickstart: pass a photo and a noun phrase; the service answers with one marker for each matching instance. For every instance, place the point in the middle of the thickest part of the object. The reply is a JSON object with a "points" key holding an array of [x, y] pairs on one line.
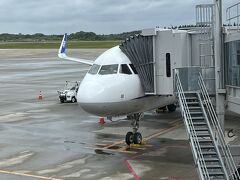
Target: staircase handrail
{"points": [[212, 136], [193, 136], [219, 136]]}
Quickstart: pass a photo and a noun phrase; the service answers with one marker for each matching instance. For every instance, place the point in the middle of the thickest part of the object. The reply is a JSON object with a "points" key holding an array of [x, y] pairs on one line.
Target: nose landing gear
{"points": [[134, 137]]}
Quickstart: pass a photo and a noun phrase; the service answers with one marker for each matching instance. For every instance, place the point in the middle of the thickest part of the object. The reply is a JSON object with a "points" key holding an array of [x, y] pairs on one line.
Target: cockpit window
{"points": [[94, 69], [133, 68], [124, 69], [109, 69]]}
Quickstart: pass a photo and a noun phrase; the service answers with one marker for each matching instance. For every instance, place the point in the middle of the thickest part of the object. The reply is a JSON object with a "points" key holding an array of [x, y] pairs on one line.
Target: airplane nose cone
{"points": [[90, 95], [89, 92]]}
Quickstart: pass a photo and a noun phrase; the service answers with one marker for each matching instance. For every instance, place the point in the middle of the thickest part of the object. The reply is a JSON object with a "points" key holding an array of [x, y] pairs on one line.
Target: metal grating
{"points": [[204, 19]]}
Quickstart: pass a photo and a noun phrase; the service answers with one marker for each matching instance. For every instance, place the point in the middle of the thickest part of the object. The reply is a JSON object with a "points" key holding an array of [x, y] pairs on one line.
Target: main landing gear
{"points": [[134, 137]]}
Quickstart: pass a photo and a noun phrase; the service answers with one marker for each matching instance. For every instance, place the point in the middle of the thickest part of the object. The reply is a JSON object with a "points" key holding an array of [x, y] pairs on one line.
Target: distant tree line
{"points": [[78, 36]]}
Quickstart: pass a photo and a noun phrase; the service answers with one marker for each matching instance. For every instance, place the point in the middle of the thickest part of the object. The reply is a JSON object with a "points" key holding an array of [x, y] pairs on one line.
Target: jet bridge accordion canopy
{"points": [[139, 49]]}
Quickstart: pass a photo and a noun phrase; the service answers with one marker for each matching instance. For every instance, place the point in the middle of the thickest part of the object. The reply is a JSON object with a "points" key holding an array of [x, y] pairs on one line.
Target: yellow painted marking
{"points": [[103, 145], [178, 120], [163, 131], [108, 141], [114, 144], [143, 146], [28, 175], [135, 146]]}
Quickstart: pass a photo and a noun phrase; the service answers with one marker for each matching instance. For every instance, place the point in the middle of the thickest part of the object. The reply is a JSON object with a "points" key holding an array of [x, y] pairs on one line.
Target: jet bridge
{"points": [[155, 53], [139, 49]]}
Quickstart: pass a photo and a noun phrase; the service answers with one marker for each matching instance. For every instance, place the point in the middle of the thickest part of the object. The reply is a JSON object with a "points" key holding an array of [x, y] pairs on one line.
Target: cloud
{"points": [[100, 16]]}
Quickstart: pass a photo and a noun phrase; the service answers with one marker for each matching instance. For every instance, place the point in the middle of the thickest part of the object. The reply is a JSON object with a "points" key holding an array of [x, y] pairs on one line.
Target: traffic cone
{"points": [[101, 120], [40, 97]]}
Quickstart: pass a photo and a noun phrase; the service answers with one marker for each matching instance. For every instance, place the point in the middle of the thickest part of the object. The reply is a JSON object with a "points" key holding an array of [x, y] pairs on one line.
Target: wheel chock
{"points": [[135, 146]]}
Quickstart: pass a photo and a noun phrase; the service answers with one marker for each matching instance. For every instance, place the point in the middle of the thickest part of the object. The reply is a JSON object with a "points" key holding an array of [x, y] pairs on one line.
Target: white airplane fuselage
{"points": [[116, 93]]}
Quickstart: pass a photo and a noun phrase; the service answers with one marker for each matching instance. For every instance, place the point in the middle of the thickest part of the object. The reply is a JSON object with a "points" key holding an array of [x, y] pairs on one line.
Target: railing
{"points": [[231, 168], [204, 20], [233, 14], [213, 136], [198, 155]]}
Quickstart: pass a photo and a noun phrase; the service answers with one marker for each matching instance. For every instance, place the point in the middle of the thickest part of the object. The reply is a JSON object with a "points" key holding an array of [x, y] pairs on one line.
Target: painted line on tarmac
{"points": [[183, 178], [175, 124], [114, 144], [28, 175], [175, 121], [122, 149], [131, 169]]}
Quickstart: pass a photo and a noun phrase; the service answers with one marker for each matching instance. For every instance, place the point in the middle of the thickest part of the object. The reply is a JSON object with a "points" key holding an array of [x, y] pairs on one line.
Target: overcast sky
{"points": [[100, 16]]}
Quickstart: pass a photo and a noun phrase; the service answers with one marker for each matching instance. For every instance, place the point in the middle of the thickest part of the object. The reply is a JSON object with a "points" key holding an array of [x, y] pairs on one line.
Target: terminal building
{"points": [[232, 68], [201, 66]]}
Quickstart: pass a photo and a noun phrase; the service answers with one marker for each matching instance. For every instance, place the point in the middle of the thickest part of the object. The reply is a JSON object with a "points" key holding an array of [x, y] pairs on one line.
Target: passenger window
{"points": [[109, 69], [125, 69], [133, 68], [94, 69]]}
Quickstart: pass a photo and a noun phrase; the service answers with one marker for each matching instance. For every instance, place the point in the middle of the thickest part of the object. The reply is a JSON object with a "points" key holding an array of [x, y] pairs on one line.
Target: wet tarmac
{"points": [[43, 139]]}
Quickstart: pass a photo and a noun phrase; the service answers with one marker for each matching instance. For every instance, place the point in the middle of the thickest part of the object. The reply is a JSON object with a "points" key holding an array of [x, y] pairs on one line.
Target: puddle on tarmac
{"points": [[97, 151]]}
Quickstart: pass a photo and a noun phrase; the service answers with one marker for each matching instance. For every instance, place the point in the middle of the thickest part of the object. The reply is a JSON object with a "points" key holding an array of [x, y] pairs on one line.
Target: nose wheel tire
{"points": [[129, 138], [137, 138]]}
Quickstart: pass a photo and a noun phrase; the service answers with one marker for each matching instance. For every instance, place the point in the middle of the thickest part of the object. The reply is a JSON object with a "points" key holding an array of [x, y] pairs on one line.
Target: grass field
{"points": [[55, 45]]}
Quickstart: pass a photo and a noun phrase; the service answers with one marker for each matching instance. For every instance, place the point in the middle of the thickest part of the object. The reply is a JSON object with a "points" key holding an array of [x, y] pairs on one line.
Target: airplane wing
{"points": [[62, 53]]}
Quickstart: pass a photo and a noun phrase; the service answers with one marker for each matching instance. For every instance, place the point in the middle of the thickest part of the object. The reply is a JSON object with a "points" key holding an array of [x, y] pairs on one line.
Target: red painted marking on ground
{"points": [[131, 169]]}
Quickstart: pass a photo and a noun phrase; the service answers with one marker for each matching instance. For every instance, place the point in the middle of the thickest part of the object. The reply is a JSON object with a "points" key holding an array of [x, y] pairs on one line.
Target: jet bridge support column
{"points": [[220, 91]]}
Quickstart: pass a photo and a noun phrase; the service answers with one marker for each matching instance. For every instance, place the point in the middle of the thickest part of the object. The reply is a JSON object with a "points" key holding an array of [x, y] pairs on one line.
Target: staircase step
{"points": [[201, 129], [209, 153], [200, 123], [193, 103], [216, 173], [214, 166], [191, 98], [211, 159], [204, 140], [207, 147], [195, 112], [198, 118], [203, 134], [194, 107]]}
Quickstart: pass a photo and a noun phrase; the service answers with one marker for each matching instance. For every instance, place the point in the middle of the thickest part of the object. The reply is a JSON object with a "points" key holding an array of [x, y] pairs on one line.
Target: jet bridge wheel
{"points": [[171, 107], [74, 100]]}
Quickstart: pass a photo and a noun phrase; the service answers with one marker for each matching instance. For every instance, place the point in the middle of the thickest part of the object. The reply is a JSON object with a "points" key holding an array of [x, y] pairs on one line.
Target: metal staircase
{"points": [[211, 154]]}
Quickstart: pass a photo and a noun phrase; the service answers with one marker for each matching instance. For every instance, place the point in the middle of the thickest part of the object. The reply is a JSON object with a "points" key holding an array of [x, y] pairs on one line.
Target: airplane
{"points": [[112, 88]]}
